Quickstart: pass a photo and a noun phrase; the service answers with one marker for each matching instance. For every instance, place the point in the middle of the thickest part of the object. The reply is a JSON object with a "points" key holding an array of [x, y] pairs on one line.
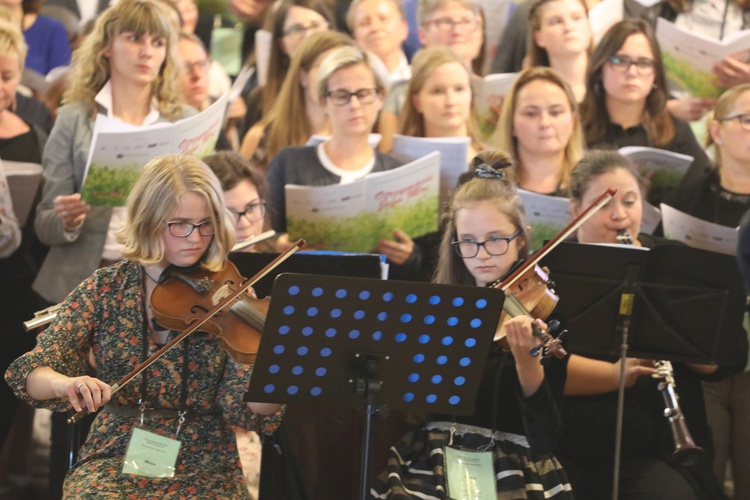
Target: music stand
{"points": [[354, 341], [337, 264], [688, 303], [673, 302]]}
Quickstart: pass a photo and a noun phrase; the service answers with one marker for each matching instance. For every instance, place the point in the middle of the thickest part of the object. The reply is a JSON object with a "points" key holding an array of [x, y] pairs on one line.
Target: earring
{"points": [[653, 86]]}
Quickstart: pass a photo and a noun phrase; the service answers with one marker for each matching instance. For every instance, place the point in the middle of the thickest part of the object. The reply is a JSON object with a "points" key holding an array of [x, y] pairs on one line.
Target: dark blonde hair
{"points": [[90, 68], [538, 56], [504, 134], [347, 57], [656, 119], [501, 193], [721, 110], [155, 197], [425, 62]]}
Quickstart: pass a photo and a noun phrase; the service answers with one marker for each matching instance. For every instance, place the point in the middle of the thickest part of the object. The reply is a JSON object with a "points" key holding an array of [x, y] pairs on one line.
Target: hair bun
{"points": [[485, 171]]}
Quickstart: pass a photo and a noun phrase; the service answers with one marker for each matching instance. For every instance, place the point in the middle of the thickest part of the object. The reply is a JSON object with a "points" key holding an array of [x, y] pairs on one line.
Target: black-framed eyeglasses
{"points": [[182, 229], [201, 65], [297, 30], [341, 97], [743, 118], [621, 64], [446, 24], [254, 212], [495, 245]]}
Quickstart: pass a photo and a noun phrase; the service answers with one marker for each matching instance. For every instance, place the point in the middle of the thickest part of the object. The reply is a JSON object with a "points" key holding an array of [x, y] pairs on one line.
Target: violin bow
{"points": [[598, 203], [197, 324]]}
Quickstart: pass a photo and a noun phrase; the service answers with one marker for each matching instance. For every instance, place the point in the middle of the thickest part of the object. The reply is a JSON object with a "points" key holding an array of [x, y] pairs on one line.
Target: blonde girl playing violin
{"points": [[191, 396], [516, 420]]}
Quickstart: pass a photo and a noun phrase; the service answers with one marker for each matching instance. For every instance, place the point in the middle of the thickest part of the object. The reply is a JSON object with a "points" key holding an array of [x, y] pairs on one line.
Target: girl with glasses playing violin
{"points": [[516, 423], [188, 399], [626, 96]]}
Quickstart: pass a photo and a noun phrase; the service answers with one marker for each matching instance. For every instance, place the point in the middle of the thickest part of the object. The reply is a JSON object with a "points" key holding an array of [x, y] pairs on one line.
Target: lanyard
{"points": [[144, 375]]}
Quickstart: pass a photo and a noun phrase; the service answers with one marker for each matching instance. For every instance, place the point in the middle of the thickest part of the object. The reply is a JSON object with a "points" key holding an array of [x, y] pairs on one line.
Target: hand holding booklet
{"points": [[119, 151], [354, 217], [689, 57]]}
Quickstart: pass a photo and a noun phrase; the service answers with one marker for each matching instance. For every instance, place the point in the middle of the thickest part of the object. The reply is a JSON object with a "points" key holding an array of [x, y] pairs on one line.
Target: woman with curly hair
{"points": [[127, 70]]}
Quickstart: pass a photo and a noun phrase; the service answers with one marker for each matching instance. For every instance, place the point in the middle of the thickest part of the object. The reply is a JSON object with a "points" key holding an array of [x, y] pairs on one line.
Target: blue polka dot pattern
{"points": [[428, 341]]}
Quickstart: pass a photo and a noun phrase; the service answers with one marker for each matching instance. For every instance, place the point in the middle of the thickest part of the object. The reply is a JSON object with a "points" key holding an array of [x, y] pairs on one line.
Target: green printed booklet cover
{"points": [[547, 216], [454, 152], [661, 168], [489, 94], [354, 217], [119, 151], [689, 57]]}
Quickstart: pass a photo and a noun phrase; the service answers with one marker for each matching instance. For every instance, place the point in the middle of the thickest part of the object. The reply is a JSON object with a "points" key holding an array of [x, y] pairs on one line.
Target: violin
{"points": [[182, 299], [206, 299], [532, 295], [528, 289]]}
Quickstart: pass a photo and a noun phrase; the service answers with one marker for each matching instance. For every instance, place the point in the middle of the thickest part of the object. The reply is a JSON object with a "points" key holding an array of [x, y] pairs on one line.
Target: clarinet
{"points": [[686, 452]]}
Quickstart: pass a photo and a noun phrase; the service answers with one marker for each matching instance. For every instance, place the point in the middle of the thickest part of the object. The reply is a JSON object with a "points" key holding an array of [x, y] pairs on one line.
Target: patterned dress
{"points": [[103, 319]]}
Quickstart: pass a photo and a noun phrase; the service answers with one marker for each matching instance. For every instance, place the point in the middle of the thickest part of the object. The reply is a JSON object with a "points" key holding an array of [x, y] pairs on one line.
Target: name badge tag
{"points": [[469, 475], [150, 454]]}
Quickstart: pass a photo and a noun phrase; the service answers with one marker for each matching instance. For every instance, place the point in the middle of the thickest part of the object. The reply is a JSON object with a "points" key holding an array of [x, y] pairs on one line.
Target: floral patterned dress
{"points": [[103, 320]]}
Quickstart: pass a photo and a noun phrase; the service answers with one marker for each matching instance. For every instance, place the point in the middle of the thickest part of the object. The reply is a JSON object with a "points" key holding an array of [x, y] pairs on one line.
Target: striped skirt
{"points": [[416, 465]]}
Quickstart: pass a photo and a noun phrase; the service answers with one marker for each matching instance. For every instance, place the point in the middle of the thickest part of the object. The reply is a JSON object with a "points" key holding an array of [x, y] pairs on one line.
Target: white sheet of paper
{"points": [[698, 233]]}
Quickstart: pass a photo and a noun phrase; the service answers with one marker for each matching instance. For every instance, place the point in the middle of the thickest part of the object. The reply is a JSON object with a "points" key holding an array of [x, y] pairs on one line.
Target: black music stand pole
{"points": [[626, 310], [367, 385], [354, 341]]}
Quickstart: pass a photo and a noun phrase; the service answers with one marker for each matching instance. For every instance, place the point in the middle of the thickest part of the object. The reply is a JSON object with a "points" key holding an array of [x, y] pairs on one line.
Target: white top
{"points": [[347, 176], [112, 248]]}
